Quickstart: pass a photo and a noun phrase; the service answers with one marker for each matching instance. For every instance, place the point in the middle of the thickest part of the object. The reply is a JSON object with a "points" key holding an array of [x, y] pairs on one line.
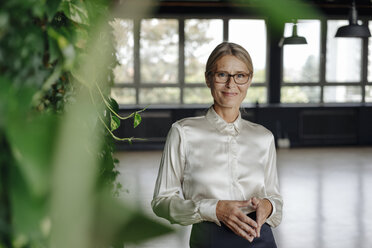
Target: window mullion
{"points": [[225, 29], [323, 57], [364, 64], [181, 57], [136, 59]]}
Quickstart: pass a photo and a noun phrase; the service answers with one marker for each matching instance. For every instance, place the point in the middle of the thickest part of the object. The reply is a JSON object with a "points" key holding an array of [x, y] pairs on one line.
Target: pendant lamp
{"points": [[294, 39], [353, 29]]}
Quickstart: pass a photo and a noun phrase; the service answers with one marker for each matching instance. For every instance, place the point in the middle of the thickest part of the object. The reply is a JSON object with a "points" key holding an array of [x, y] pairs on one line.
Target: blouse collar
{"points": [[221, 125]]}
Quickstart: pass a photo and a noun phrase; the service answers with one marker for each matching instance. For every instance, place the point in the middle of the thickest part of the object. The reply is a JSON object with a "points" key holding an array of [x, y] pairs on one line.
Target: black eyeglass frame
{"points": [[231, 75]]}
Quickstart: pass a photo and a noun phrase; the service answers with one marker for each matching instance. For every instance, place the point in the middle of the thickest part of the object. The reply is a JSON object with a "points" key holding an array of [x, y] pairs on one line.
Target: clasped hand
{"points": [[230, 214]]}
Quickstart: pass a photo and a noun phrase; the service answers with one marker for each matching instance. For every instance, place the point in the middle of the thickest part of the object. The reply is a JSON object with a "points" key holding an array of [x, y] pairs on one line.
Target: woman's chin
{"points": [[228, 104]]}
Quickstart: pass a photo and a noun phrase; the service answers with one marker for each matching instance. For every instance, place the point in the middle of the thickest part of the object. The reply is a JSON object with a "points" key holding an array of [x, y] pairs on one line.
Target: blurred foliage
{"points": [[56, 123]]}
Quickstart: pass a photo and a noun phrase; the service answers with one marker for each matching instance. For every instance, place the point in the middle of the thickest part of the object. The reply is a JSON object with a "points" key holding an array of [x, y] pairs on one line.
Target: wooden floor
{"points": [[327, 196]]}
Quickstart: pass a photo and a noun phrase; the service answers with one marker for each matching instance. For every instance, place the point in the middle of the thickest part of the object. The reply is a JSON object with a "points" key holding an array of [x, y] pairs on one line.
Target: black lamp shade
{"points": [[294, 39], [353, 30]]}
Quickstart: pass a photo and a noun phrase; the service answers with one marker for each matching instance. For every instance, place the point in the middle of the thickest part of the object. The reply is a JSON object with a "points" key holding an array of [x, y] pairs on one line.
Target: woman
{"points": [[218, 172]]}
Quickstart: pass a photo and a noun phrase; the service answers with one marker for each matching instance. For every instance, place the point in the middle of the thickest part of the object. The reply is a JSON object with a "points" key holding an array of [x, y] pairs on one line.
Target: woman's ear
{"points": [[207, 80], [250, 80]]}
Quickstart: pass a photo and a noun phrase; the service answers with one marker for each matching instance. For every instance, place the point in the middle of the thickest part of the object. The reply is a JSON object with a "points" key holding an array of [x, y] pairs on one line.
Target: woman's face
{"points": [[229, 95]]}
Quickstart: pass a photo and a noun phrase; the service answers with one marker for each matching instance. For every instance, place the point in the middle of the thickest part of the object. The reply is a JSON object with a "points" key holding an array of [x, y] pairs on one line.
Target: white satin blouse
{"points": [[206, 159]]}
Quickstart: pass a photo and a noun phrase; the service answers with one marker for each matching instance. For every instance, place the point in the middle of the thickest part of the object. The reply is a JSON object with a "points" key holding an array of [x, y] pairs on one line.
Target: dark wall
{"points": [[303, 125]]}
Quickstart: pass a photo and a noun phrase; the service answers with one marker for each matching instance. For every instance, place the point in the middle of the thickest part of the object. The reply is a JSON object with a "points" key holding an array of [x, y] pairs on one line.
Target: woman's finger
{"points": [[230, 214], [262, 212], [250, 229], [258, 231], [238, 231], [244, 203], [244, 218], [255, 201]]}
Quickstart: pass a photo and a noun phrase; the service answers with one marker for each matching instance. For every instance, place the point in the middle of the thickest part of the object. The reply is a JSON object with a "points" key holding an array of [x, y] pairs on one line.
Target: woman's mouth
{"points": [[229, 94]]}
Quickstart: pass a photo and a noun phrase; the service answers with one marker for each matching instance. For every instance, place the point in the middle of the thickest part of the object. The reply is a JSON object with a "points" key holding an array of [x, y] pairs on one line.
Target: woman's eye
{"points": [[222, 74], [240, 75]]}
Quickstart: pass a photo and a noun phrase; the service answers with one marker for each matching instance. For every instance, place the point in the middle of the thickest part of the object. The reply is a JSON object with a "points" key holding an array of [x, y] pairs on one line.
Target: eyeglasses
{"points": [[222, 77]]}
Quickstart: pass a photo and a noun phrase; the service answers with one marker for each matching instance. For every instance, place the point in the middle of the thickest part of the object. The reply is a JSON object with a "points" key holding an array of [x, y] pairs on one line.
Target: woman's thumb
{"points": [[246, 203], [255, 201]]}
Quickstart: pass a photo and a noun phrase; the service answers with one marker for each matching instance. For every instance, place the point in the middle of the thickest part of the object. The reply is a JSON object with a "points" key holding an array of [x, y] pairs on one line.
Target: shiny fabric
{"points": [[208, 235], [206, 159]]}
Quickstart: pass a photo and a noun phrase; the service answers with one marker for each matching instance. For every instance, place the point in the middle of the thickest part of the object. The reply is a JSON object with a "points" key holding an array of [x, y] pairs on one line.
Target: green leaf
{"points": [[38, 9], [31, 142], [75, 11], [54, 52], [137, 120], [119, 223], [79, 76], [81, 38], [4, 23], [115, 122], [113, 104], [51, 8], [28, 210], [65, 46]]}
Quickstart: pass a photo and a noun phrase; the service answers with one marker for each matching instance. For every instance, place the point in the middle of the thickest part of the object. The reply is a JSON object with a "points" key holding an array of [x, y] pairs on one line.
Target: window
{"points": [[124, 95], [166, 95], [344, 63], [162, 61], [301, 62], [338, 79], [342, 94], [368, 89], [301, 65], [240, 32], [369, 93], [172, 56], [201, 37], [124, 70], [159, 51], [124, 46], [300, 94], [344, 55]]}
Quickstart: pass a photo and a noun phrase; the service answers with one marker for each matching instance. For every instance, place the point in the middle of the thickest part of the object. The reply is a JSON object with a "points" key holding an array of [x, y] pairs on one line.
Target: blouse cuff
{"points": [[274, 209], [207, 210]]}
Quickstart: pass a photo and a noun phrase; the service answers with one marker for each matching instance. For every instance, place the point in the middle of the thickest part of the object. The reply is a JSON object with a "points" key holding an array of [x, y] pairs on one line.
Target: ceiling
{"points": [[332, 7]]}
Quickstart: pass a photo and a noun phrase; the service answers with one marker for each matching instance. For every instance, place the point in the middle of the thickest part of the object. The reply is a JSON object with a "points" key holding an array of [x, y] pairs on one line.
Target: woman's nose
{"points": [[230, 82]]}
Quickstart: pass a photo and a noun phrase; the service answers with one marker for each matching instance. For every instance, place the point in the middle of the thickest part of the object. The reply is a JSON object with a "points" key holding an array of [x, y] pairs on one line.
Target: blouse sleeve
{"points": [[167, 201], [272, 187]]}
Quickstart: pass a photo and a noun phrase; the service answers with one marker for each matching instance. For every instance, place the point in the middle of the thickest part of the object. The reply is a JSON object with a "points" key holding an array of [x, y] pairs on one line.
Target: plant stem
{"points": [[117, 115], [103, 122], [115, 137]]}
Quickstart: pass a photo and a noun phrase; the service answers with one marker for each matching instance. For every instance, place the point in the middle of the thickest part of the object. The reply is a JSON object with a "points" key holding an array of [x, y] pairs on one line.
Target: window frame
{"points": [[181, 84], [322, 65], [137, 85]]}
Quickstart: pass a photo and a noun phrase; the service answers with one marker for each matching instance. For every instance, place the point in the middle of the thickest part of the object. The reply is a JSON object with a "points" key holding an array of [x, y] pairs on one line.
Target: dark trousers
{"points": [[209, 235]]}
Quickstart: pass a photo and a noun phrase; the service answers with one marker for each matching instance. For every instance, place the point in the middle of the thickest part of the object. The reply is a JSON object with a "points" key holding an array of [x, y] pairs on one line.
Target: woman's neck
{"points": [[228, 114]]}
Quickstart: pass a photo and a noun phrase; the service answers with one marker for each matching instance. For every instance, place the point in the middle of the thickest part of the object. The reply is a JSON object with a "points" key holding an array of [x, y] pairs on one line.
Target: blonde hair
{"points": [[223, 49]]}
